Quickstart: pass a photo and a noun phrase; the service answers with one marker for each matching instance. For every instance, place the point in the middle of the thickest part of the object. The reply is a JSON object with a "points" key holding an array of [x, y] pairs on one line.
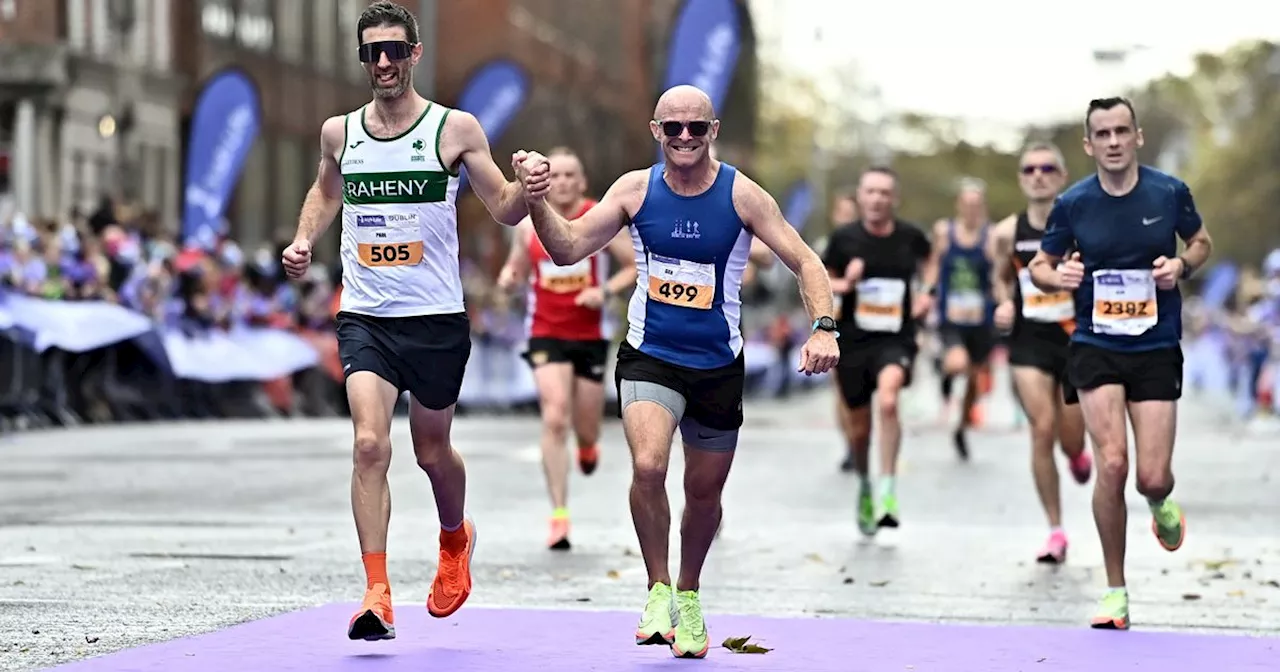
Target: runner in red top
{"points": [[567, 340]]}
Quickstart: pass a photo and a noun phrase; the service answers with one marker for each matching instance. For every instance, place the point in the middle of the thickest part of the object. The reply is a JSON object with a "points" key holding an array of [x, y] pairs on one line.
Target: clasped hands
{"points": [[533, 172]]}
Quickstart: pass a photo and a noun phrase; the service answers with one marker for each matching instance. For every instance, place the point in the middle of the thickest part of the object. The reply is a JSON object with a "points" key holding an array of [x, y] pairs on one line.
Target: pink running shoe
{"points": [[1055, 550], [1081, 467]]}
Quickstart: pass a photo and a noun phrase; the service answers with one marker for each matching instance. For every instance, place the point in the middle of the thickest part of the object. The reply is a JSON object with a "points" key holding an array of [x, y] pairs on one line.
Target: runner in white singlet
{"points": [[392, 166]]}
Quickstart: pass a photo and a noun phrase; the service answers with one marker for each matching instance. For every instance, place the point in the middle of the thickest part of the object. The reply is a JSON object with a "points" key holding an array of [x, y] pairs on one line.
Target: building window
{"points": [[218, 19], [161, 35], [8, 10], [325, 31], [77, 36], [293, 176], [347, 37], [100, 28], [80, 193], [255, 28], [103, 184], [291, 20]]}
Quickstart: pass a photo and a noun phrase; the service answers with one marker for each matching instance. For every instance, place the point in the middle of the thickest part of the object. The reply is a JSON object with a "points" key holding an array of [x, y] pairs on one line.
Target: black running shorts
{"points": [[426, 355], [587, 357], [1150, 375]]}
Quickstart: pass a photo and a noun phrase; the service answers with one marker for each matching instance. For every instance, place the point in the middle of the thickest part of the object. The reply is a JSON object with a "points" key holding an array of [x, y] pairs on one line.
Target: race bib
{"points": [[683, 283], [879, 306], [1124, 302], [564, 279], [388, 240], [1039, 306], [966, 307]]}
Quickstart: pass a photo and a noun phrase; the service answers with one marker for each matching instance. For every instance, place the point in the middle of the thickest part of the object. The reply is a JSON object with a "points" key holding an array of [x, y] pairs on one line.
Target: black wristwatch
{"points": [[825, 323], [1186, 268]]}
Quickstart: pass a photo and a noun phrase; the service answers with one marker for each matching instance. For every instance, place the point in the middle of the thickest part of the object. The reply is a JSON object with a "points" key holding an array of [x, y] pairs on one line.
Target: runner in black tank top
{"points": [[1039, 327]]}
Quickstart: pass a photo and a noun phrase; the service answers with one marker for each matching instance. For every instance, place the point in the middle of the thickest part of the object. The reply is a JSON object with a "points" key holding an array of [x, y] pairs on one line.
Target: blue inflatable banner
{"points": [[703, 51], [495, 95], [224, 127], [799, 204]]}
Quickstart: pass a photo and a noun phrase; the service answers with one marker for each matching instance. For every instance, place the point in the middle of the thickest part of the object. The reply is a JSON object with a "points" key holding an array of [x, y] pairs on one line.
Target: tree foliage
{"points": [[1217, 128]]}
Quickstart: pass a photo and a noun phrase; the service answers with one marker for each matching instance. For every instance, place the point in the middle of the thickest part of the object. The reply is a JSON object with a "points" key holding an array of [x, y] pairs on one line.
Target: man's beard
{"points": [[403, 80]]}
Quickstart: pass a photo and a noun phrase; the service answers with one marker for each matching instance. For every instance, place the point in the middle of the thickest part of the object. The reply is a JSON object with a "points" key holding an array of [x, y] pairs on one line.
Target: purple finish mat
{"points": [[517, 640]]}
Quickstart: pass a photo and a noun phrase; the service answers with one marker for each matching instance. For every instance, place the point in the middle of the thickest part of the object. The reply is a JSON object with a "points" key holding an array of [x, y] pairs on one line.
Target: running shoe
{"points": [[375, 620], [888, 510], [588, 459], [691, 631], [867, 511], [961, 443], [558, 539], [1113, 611], [1055, 549], [658, 622], [1169, 525], [1081, 467], [452, 585]]}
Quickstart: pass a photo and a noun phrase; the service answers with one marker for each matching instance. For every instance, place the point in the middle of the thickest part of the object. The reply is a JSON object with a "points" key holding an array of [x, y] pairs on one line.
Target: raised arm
{"points": [[324, 198], [568, 242], [502, 198], [760, 212]]}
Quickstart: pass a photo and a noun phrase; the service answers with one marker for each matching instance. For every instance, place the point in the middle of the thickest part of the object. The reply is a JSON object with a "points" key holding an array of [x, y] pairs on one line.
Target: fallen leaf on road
{"points": [[584, 599], [814, 557], [630, 553], [1273, 583], [1042, 660], [1236, 593], [848, 580], [743, 645], [1219, 564], [613, 574], [1190, 596], [879, 584], [90, 639]]}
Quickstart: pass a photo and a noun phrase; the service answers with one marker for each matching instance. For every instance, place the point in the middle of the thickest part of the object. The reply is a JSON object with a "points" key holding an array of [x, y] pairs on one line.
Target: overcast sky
{"points": [[1001, 64]]}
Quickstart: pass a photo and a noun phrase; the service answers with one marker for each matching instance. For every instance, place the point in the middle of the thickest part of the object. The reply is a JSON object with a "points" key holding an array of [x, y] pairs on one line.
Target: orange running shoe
{"points": [[375, 620], [558, 539], [452, 585], [588, 459]]}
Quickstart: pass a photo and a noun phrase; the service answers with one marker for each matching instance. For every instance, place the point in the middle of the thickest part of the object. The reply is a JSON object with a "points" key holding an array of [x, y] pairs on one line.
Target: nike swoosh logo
{"points": [[1149, 222], [357, 144]]}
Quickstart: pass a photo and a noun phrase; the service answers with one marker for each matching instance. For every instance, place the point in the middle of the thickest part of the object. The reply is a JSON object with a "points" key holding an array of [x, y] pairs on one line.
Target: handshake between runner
{"points": [[533, 171]]}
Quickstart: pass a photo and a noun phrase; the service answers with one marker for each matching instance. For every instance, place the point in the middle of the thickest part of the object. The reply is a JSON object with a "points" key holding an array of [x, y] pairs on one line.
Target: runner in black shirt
{"points": [[872, 263], [1040, 325]]}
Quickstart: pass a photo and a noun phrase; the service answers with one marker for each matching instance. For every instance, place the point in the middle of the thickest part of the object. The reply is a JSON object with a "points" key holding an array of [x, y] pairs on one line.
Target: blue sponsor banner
{"points": [[495, 95], [224, 126], [704, 45], [799, 204]]}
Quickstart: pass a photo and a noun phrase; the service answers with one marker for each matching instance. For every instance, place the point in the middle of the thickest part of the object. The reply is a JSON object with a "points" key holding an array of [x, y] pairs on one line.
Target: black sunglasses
{"points": [[1045, 168], [396, 50], [673, 129]]}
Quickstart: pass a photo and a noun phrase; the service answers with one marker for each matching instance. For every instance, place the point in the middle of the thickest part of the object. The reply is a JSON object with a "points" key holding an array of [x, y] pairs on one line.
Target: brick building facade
{"points": [[596, 68]]}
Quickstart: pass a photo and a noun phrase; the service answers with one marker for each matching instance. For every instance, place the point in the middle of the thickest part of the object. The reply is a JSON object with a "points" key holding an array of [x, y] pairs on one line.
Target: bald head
{"points": [[684, 101]]}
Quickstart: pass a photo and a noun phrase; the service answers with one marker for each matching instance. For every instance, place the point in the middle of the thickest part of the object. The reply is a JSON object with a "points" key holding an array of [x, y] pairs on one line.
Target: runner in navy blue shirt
{"points": [[1125, 354]]}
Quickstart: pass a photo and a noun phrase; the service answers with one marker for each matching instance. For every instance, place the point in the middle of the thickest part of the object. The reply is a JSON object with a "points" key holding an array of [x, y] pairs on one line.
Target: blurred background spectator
{"points": [[154, 154]]}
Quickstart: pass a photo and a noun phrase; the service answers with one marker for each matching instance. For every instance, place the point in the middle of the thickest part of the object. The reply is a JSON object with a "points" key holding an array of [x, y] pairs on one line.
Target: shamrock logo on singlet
{"points": [[419, 145]]}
